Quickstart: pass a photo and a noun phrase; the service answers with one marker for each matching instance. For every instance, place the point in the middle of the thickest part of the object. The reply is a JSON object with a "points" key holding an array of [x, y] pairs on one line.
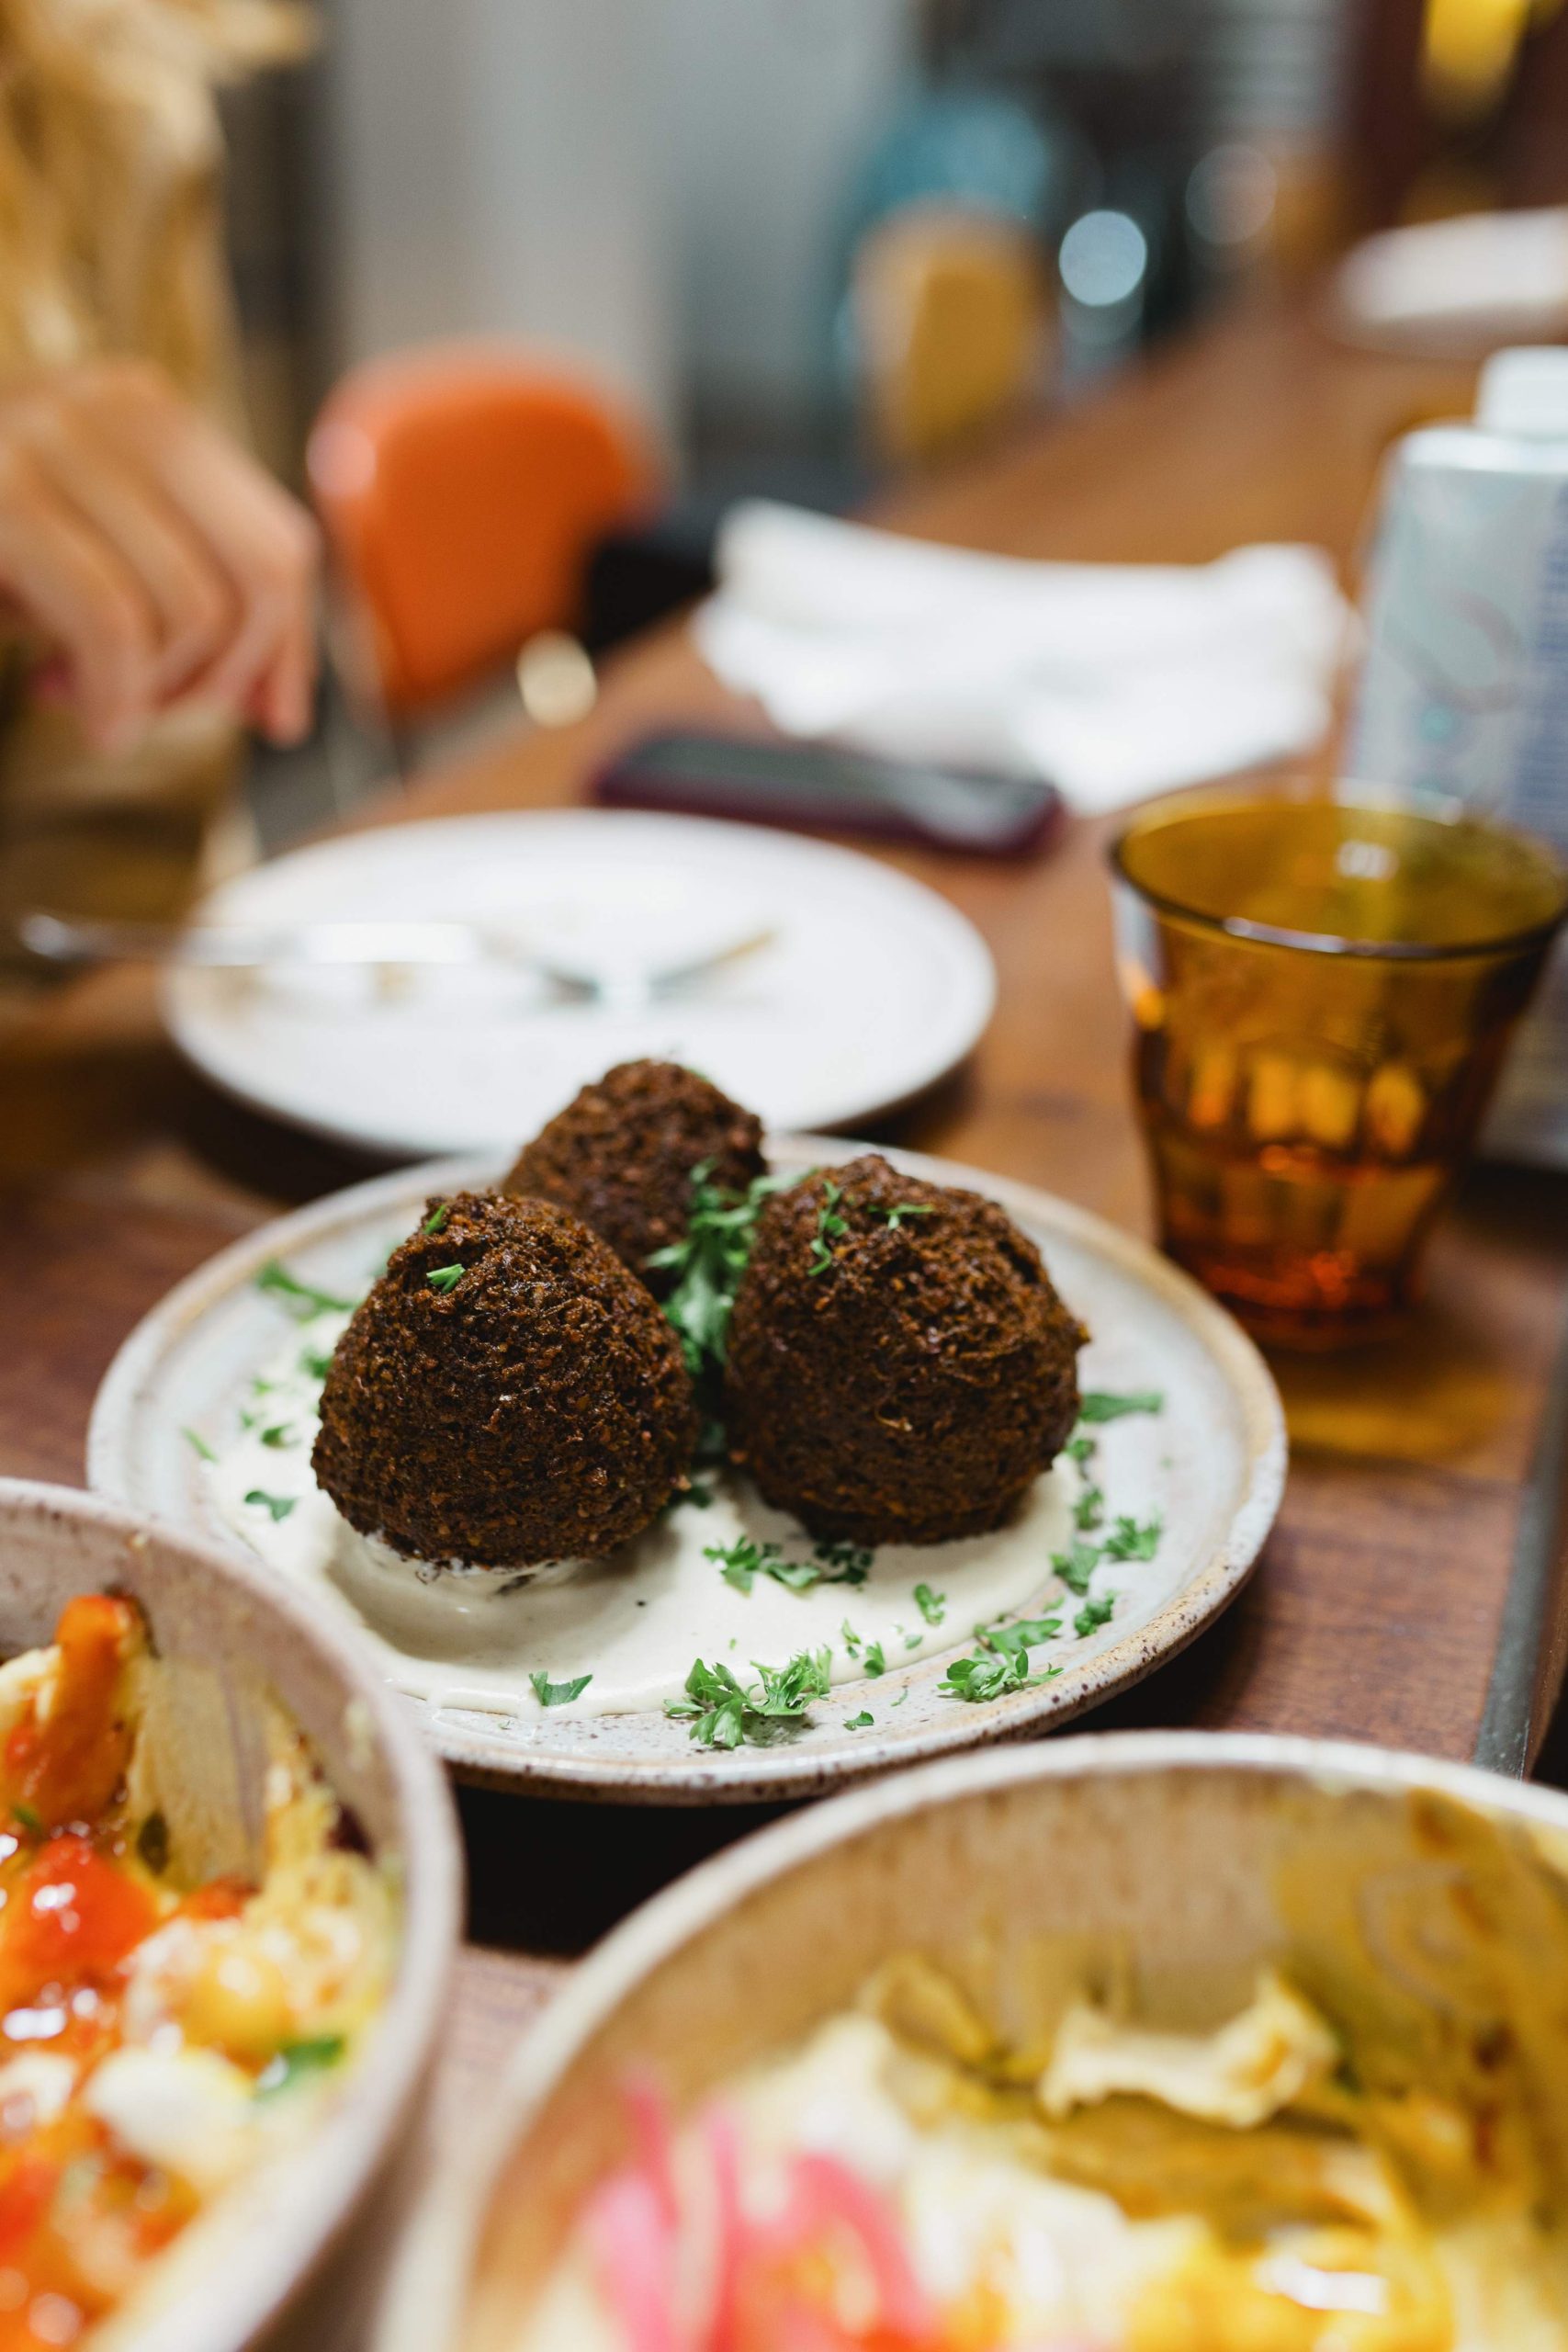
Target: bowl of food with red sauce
{"points": [[228, 1900]]}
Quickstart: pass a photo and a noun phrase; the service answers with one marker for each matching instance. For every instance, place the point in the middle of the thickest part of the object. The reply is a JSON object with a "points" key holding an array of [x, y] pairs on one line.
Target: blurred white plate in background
{"points": [[869, 989]]}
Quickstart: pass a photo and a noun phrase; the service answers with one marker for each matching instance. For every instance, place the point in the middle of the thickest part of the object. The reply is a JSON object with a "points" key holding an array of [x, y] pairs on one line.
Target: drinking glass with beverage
{"points": [[1322, 993]]}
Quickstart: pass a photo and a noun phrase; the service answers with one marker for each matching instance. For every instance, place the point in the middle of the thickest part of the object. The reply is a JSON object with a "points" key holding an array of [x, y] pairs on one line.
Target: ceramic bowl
{"points": [[1166, 1848], [286, 2257]]}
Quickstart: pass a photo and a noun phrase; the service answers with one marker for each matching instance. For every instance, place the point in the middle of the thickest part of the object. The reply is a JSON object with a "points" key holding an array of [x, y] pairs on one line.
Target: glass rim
{"points": [[1251, 933]]}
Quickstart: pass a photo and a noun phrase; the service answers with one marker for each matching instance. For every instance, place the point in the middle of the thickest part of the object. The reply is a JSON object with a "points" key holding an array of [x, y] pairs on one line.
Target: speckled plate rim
{"points": [[753, 1775]]}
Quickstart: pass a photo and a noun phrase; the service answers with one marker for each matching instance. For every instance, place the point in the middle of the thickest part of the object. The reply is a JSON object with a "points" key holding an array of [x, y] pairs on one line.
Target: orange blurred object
{"points": [[462, 487]]}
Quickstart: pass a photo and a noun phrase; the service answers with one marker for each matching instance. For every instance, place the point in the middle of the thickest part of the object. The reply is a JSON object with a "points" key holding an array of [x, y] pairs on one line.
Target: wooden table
{"points": [[1378, 1607]]}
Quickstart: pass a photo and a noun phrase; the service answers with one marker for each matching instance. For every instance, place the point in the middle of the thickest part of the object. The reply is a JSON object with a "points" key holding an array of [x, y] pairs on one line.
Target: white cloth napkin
{"points": [[1112, 680]]}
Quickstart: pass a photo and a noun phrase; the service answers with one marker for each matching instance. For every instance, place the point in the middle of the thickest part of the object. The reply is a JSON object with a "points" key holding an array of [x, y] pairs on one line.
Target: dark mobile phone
{"points": [[818, 787]]}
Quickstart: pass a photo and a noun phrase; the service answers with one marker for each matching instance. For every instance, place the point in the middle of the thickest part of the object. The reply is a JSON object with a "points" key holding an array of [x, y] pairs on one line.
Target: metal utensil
{"points": [[87, 940]]}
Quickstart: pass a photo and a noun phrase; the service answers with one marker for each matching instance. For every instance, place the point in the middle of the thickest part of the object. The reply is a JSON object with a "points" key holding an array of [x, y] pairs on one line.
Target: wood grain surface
{"points": [[1376, 1613]]}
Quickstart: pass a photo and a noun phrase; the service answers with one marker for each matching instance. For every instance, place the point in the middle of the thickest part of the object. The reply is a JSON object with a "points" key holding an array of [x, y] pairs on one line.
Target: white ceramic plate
{"points": [[1211, 1463], [870, 989]]}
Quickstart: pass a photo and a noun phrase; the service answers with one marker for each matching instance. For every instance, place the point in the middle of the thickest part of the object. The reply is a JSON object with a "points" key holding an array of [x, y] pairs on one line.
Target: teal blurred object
{"points": [[975, 148]]}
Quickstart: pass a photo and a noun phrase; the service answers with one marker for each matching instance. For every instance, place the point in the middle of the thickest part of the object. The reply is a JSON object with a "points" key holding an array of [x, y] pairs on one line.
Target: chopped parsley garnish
{"points": [[830, 1227], [1002, 1663], [445, 1278], [911, 1641], [709, 1261], [1088, 1510], [436, 1221], [902, 1696], [198, 1444], [1077, 1566], [860, 1722], [558, 1694], [843, 1563], [297, 2060], [851, 1639], [722, 1712], [279, 1505], [280, 1435], [1080, 1450], [933, 1606], [1094, 1613], [1128, 1541], [315, 1363], [902, 1209], [1107, 1405], [1026, 1635], [872, 1659], [302, 1297], [978, 1679], [697, 1494], [743, 1561]]}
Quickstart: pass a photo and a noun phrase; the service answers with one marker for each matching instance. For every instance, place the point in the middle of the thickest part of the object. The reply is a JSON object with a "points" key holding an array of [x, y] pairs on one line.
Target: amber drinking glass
{"points": [[1322, 994]]}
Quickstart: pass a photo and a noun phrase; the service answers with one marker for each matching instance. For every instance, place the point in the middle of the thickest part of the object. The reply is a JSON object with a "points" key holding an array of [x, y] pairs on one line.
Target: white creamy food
{"points": [[636, 1621]]}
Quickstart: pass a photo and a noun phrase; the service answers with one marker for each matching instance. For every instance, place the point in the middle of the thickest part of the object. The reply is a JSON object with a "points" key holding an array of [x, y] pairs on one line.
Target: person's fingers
{"points": [[70, 581], [187, 588], [264, 541]]}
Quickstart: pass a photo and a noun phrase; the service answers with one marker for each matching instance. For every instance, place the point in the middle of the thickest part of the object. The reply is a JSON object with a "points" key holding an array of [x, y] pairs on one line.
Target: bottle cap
{"points": [[1525, 390]]}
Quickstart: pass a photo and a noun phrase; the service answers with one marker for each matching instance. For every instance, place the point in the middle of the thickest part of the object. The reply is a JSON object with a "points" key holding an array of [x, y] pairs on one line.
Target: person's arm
{"points": [[157, 559]]}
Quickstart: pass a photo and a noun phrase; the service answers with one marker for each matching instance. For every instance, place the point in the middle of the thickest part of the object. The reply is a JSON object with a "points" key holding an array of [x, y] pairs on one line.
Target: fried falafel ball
{"points": [[507, 1394], [899, 1368], [620, 1156]]}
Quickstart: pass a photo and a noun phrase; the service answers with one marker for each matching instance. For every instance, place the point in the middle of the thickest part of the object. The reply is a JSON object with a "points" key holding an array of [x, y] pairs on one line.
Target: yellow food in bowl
{"points": [[1364, 2153]]}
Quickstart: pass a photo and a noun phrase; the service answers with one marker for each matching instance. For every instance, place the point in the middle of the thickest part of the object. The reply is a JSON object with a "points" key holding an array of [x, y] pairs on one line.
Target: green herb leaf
{"points": [[933, 1606], [1017, 1639], [436, 1221], [697, 1494], [1107, 1405], [710, 1260], [558, 1694], [198, 1444], [860, 1722], [789, 1690], [830, 1227], [738, 1562], [902, 1696], [302, 1297], [851, 1639], [874, 1661], [897, 1215], [445, 1278], [715, 1704], [843, 1563], [1077, 1566], [1128, 1541], [1089, 1509], [279, 1505], [315, 1363], [299, 2060], [722, 1712], [280, 1435], [1081, 1450], [29, 1818], [1094, 1613]]}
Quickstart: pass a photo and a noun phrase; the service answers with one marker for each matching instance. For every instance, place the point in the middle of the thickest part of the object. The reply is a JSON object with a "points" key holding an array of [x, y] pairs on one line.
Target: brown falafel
{"points": [[507, 1393], [900, 1369], [620, 1155]]}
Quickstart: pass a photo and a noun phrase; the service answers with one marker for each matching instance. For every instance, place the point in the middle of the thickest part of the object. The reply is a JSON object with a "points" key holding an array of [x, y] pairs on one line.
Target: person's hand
{"points": [[158, 562]]}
